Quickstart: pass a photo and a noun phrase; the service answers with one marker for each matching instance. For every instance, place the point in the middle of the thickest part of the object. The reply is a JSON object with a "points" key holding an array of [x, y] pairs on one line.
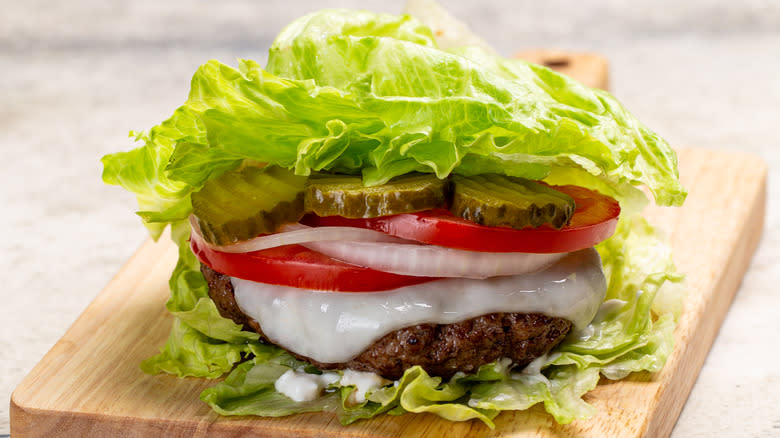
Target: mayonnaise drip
{"points": [[332, 327]]}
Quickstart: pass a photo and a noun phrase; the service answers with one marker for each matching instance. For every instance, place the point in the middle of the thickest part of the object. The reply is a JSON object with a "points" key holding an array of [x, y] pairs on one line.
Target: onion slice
{"points": [[432, 260], [292, 234], [377, 250]]}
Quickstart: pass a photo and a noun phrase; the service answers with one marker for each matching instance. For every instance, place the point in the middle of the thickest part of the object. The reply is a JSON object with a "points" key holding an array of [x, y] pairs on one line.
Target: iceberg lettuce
{"points": [[372, 94]]}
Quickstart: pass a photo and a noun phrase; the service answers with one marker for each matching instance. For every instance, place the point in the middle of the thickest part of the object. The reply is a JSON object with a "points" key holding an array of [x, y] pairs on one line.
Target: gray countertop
{"points": [[76, 76]]}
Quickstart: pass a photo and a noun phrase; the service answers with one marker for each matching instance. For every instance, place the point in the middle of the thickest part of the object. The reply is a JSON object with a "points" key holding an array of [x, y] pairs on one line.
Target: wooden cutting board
{"points": [[89, 384], [591, 69]]}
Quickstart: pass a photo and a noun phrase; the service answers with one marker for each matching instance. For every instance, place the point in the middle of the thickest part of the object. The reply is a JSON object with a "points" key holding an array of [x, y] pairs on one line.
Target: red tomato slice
{"points": [[594, 220], [297, 266]]}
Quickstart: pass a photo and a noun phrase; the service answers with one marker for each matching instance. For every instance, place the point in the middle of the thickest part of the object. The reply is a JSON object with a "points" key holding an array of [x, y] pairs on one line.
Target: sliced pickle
{"points": [[345, 195], [241, 204], [497, 200]]}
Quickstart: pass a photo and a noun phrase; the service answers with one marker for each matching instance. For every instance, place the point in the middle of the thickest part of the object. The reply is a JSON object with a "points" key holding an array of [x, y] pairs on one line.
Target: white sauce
{"points": [[363, 383], [301, 386], [332, 327]]}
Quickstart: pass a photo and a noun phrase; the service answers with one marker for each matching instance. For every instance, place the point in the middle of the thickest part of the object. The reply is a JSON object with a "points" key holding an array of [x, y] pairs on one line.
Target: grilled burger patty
{"points": [[440, 349]]}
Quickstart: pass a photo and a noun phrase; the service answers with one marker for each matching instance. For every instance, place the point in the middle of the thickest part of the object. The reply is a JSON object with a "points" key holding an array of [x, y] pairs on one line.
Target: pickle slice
{"points": [[241, 204], [345, 195], [497, 200]]}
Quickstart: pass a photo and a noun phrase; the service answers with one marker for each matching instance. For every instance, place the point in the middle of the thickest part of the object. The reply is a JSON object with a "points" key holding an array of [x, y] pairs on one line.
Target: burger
{"points": [[374, 224]]}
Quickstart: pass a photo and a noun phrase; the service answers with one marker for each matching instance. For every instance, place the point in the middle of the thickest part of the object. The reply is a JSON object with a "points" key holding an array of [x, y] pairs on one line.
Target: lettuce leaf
{"points": [[361, 93], [250, 389], [356, 92], [202, 343], [467, 108]]}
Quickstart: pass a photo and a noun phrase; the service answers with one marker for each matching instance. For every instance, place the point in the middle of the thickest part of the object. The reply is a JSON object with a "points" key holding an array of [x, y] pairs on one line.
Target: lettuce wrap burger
{"points": [[372, 224]]}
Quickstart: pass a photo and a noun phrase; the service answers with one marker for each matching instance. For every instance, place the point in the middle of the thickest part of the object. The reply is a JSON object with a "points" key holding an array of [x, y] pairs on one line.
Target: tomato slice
{"points": [[297, 266], [594, 220]]}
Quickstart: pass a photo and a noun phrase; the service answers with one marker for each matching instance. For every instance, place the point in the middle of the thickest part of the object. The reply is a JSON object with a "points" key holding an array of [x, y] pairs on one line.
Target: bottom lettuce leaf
{"points": [[633, 331], [249, 389], [560, 389], [189, 352]]}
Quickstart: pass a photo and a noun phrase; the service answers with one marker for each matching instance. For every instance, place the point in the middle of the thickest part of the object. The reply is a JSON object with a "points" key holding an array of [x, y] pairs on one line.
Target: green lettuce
{"points": [[202, 343], [362, 93], [356, 92]]}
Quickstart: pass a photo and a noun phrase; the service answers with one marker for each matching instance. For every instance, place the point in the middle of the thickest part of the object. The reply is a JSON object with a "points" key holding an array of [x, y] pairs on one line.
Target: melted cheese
{"points": [[335, 327]]}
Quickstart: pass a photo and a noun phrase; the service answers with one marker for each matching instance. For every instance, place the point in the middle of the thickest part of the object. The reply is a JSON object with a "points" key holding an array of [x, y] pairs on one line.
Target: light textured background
{"points": [[76, 76]]}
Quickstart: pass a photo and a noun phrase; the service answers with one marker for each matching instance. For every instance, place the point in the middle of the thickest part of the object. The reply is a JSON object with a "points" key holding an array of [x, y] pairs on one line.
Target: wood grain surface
{"points": [[90, 384], [589, 68]]}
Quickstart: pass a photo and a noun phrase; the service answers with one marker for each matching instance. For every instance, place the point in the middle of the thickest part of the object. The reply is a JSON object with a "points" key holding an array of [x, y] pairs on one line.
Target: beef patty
{"points": [[440, 349]]}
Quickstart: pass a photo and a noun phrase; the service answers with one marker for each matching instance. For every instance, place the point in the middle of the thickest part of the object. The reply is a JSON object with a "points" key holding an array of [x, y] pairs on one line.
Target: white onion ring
{"points": [[297, 234], [432, 260]]}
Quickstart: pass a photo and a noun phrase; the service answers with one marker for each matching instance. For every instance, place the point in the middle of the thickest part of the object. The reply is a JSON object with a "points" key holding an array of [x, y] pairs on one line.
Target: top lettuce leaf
{"points": [[361, 93], [358, 92]]}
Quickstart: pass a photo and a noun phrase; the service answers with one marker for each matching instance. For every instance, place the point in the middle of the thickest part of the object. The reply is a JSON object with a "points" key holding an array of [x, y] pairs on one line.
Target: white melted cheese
{"points": [[332, 327]]}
